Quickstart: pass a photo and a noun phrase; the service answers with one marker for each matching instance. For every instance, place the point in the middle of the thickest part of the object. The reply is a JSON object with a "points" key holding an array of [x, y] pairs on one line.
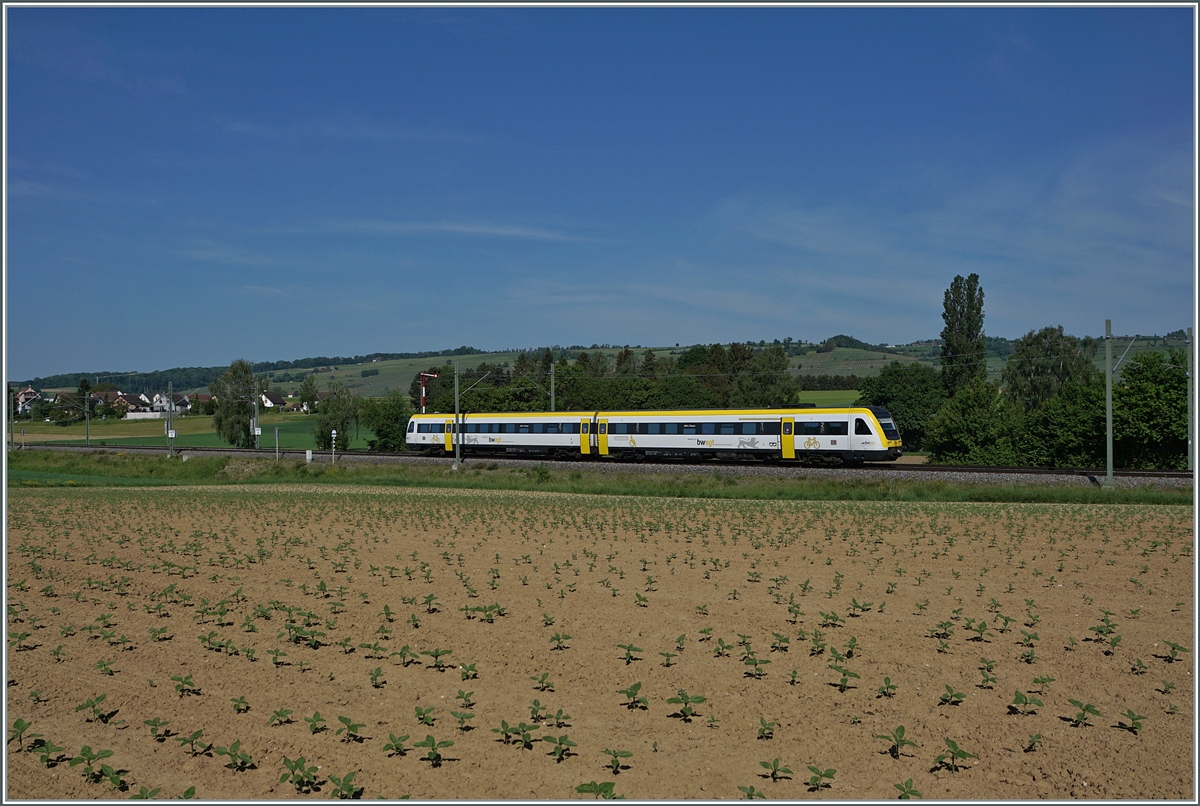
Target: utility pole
{"points": [[12, 414], [87, 418], [551, 387], [254, 425], [1191, 403], [424, 375], [276, 443], [455, 436], [170, 409], [1108, 428]]}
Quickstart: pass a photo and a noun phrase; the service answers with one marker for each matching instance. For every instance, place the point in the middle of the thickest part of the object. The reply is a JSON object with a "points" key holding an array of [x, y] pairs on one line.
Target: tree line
{"points": [[1048, 408]]}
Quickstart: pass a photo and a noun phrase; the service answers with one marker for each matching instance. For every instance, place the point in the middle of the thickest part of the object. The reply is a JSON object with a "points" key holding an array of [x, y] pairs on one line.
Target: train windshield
{"points": [[889, 428]]}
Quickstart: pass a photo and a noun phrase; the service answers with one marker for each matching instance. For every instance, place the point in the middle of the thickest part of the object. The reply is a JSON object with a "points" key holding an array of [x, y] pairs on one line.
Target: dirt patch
{"points": [[203, 584]]}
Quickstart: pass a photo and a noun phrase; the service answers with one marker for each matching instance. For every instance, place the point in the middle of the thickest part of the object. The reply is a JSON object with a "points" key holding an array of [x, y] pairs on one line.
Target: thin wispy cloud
{"points": [[344, 129], [29, 188], [225, 254], [476, 228]]}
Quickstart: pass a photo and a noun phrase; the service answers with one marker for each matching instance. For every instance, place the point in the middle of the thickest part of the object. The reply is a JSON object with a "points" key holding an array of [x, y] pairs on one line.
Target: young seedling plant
{"points": [[1134, 724], [350, 728], [239, 759], [562, 746], [817, 781], [395, 745], [950, 759], [634, 700], [344, 786], [434, 756], [906, 790], [685, 701], [1024, 705], [629, 650], [616, 756], [897, 741], [774, 770], [1085, 710], [299, 774]]}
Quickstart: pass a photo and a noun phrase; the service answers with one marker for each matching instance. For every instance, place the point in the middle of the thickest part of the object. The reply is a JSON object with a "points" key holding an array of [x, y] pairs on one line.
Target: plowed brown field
{"points": [[193, 588]]}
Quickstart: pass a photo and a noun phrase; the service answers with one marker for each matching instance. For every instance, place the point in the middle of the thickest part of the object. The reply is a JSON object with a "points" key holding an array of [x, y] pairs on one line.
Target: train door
{"points": [[787, 438], [449, 435], [602, 437], [585, 437]]}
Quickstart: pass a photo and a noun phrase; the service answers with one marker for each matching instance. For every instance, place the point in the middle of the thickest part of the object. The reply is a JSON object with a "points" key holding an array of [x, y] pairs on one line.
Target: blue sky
{"points": [[186, 186]]}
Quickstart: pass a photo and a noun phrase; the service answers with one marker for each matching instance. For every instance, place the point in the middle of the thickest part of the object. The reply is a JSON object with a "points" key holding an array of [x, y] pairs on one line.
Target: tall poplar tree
{"points": [[964, 352]]}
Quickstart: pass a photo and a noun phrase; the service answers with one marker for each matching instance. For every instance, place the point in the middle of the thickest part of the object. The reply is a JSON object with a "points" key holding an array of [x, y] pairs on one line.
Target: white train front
{"points": [[804, 434]]}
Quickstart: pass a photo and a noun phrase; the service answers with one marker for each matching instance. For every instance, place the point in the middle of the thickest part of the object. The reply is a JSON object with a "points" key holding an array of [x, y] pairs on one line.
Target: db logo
{"points": [[811, 443]]}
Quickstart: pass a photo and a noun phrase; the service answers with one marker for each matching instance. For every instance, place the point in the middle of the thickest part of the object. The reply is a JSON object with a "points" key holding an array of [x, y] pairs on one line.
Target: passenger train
{"points": [[801, 434]]}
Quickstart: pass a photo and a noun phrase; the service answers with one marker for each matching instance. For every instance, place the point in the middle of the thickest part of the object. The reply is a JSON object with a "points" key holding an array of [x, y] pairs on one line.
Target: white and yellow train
{"points": [[804, 434]]}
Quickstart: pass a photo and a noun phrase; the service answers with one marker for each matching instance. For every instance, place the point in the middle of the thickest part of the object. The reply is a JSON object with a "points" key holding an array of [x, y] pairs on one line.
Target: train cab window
{"points": [[861, 428], [727, 428], [653, 428], [689, 428], [670, 428], [708, 428]]}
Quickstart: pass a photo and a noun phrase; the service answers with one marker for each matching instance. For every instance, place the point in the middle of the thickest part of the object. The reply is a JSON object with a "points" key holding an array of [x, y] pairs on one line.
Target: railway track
{"points": [[416, 458]]}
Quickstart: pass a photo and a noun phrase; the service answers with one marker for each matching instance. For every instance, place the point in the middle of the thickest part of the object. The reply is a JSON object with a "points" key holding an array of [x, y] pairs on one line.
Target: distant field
{"points": [[834, 398], [295, 433]]}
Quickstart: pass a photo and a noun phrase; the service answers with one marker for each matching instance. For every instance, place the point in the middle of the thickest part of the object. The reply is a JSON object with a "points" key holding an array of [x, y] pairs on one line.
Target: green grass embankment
{"points": [[59, 469]]}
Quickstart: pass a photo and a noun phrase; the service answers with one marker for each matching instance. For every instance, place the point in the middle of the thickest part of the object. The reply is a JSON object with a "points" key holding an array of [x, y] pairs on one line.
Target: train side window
{"points": [[769, 429], [412, 426], [812, 429], [749, 428], [861, 428], [551, 428], [727, 428], [510, 428], [439, 428], [523, 428], [653, 428], [670, 428], [837, 429], [689, 428], [708, 428], [619, 428], [539, 428]]}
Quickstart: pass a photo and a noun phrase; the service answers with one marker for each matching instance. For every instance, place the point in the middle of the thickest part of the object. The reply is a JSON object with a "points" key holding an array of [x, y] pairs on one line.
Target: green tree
{"points": [[1043, 362], [975, 427], [233, 411], [911, 392], [1067, 430], [1150, 411], [964, 350], [388, 417], [765, 381], [339, 411], [308, 393]]}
